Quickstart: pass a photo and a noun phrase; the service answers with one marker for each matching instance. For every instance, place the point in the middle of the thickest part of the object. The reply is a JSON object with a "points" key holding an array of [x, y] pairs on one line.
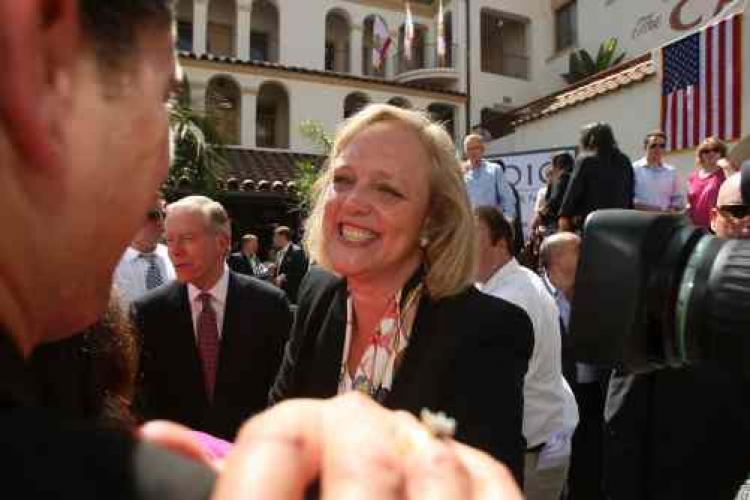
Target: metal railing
{"points": [[424, 57]]}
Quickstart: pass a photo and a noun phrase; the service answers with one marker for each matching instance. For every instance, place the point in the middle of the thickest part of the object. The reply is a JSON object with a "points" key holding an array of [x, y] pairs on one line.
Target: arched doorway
{"points": [[264, 31], [354, 102], [223, 99], [337, 41], [272, 118]]}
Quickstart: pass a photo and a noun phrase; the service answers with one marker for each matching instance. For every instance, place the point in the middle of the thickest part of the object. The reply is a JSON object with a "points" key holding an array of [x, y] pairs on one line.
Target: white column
{"points": [[200, 26], [355, 47], [244, 9], [458, 17], [247, 117], [459, 124]]}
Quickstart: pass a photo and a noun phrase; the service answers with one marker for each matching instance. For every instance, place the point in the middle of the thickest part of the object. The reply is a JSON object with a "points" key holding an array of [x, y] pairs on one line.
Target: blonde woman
{"points": [[704, 182], [392, 311]]}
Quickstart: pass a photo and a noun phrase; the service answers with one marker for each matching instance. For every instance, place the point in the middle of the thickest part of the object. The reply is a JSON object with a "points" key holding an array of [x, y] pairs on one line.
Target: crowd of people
{"points": [[141, 358]]}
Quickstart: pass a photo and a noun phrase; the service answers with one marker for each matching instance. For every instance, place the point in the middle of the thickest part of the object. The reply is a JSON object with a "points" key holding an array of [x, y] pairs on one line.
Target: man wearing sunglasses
{"points": [[730, 218], [657, 187], [145, 264]]}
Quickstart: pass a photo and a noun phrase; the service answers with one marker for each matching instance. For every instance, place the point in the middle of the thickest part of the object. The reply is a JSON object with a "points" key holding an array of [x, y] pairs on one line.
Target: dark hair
{"points": [[654, 133], [284, 231], [598, 137], [564, 161], [91, 375], [498, 225], [112, 26]]}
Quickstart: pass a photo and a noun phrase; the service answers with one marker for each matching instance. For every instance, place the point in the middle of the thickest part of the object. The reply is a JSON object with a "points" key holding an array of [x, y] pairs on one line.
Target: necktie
{"points": [[153, 274], [208, 343]]}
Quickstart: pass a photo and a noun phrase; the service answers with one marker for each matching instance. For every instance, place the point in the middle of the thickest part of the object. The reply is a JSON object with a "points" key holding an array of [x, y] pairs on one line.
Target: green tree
{"points": [[581, 65], [307, 170], [199, 161]]}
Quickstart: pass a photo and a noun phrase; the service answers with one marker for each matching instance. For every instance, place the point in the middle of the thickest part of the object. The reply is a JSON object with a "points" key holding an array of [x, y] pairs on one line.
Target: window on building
{"points": [[566, 26], [265, 127], [259, 46], [185, 25], [504, 44], [445, 115], [223, 98], [185, 36], [272, 117], [221, 25], [354, 102], [264, 31], [337, 41]]}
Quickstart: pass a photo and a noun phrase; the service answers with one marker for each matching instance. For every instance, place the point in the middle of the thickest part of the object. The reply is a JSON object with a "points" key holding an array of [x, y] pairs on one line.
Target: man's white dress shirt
{"points": [[130, 273], [218, 294], [549, 405]]}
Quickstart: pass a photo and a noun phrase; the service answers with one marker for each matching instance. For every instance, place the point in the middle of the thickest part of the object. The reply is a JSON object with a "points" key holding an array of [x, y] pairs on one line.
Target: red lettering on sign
{"points": [[675, 19]]}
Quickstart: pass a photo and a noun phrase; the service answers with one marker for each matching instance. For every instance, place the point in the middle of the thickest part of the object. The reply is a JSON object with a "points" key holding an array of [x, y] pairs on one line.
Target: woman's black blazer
{"points": [[467, 356]]}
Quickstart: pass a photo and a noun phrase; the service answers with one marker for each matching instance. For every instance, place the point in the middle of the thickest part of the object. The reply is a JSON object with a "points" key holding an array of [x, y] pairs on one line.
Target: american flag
{"points": [[701, 85]]}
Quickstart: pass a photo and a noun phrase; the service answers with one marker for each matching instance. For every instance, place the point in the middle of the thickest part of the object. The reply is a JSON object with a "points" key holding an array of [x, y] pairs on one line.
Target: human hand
{"points": [[178, 439], [357, 449]]}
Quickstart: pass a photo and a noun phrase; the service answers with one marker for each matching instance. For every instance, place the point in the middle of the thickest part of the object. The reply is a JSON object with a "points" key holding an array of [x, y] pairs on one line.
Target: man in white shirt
{"points": [[657, 185], [145, 264], [550, 413], [213, 339]]}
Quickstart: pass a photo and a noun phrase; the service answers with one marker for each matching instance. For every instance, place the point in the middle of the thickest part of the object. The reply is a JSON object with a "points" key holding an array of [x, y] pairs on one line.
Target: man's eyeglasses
{"points": [[155, 215], [659, 145], [735, 211]]}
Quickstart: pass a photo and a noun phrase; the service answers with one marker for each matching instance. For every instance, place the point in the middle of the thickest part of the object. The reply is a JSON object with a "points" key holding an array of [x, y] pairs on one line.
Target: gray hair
{"points": [[213, 212]]}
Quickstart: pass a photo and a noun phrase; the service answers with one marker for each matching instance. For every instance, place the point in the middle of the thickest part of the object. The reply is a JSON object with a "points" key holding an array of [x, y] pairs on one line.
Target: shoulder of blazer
{"points": [[255, 287], [317, 283], [490, 319], [171, 294]]}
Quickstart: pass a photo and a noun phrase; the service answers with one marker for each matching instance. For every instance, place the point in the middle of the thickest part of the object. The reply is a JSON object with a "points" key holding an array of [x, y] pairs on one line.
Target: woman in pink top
{"points": [[704, 183]]}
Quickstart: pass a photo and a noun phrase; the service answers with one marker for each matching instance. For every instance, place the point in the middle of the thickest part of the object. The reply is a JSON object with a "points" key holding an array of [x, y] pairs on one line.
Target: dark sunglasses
{"points": [[155, 215], [712, 150], [659, 145], [735, 211]]}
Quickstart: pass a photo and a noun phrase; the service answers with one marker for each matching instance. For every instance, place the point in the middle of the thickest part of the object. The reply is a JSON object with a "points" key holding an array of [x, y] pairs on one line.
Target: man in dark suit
{"points": [[291, 262], [246, 261], [212, 342]]}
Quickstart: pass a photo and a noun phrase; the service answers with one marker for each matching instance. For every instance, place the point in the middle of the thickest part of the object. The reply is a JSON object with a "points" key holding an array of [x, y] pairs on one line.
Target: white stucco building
{"points": [[261, 67]]}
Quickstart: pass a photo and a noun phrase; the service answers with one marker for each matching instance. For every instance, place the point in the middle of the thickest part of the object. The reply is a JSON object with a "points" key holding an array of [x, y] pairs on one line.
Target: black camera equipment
{"points": [[653, 291]]}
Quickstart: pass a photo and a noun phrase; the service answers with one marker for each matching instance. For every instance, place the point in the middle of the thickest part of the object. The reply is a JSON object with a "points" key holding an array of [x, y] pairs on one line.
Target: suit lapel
{"points": [[230, 330], [329, 346], [425, 342]]}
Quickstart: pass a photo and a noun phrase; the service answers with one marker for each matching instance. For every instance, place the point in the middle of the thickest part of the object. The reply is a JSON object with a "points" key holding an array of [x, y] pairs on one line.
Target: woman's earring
{"points": [[424, 241]]}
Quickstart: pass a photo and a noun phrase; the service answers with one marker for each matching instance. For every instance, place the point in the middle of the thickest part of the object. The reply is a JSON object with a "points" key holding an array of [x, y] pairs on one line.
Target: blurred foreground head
{"points": [[84, 146]]}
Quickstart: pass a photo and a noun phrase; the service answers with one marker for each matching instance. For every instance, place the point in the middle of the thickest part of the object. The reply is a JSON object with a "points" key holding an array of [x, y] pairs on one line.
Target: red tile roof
{"points": [[329, 74], [265, 165], [623, 75]]}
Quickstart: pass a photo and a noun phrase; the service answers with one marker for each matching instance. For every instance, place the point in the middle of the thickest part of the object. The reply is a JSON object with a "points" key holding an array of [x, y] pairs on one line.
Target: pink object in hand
{"points": [[215, 447]]}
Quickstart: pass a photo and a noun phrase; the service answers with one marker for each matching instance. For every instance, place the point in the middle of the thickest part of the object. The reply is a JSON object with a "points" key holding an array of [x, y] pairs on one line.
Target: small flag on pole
{"points": [[381, 42], [701, 85], [441, 32], [408, 32]]}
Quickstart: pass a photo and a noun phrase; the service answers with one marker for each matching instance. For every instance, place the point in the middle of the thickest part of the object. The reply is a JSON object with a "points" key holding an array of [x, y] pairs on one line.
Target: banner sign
{"points": [[527, 172]]}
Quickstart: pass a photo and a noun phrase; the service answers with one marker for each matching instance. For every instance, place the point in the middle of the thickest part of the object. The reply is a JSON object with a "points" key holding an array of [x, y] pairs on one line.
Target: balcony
{"points": [[426, 66]]}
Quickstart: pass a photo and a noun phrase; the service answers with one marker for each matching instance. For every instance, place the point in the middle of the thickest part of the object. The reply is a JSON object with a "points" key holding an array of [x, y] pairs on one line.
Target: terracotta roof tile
{"points": [[308, 71], [265, 165], [636, 70]]}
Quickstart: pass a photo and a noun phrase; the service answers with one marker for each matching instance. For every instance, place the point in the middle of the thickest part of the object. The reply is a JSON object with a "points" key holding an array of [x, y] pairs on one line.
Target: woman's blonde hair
{"points": [[449, 255], [708, 144]]}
